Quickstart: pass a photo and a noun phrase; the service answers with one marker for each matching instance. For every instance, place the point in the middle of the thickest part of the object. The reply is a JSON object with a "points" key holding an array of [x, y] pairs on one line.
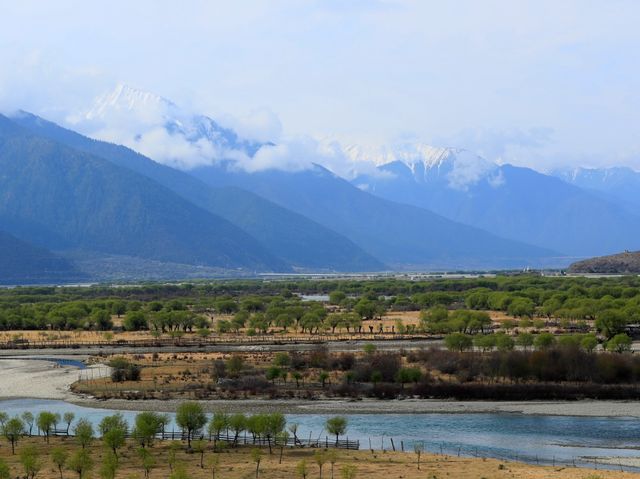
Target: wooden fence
{"points": [[217, 341], [245, 439]]}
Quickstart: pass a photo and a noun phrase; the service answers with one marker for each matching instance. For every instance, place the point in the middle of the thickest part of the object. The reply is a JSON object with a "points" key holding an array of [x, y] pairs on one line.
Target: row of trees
{"points": [[191, 418], [500, 341]]}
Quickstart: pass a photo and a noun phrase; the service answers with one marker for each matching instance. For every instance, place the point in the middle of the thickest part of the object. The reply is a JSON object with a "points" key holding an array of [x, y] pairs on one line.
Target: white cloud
{"points": [[261, 125]]}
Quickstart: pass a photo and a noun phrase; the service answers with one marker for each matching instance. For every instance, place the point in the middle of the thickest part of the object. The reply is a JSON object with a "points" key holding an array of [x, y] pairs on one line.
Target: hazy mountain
{"points": [[513, 202], [24, 263], [288, 235], [400, 235], [156, 127], [62, 198], [619, 184]]}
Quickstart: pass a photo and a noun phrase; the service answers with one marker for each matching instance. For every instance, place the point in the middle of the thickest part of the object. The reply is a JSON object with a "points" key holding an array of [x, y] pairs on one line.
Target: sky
{"points": [[545, 84]]}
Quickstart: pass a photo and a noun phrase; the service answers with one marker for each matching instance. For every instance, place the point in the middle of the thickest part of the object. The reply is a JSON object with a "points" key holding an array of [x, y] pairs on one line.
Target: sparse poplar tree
{"points": [[59, 456], [13, 430]]}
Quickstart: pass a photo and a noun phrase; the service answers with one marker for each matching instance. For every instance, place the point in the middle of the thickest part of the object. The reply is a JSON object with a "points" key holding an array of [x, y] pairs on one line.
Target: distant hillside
{"points": [[509, 201], [622, 263], [24, 263], [620, 184], [403, 236], [291, 236], [61, 198]]}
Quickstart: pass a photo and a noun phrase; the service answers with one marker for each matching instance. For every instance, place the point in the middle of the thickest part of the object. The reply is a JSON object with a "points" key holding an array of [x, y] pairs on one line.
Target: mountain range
{"points": [[513, 202], [170, 191]]}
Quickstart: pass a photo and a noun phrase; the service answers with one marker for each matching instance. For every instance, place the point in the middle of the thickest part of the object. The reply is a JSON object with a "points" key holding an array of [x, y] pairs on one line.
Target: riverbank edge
{"points": [[587, 408]]}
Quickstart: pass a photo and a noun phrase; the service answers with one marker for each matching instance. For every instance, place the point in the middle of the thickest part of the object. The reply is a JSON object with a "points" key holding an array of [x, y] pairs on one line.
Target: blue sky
{"points": [[540, 83]]}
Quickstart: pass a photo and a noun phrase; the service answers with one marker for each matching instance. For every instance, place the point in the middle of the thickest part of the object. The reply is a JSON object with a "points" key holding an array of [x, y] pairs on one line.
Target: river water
{"points": [[544, 439]]}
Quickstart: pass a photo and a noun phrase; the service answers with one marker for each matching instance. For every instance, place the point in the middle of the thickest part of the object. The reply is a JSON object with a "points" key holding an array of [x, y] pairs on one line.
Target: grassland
{"points": [[239, 464]]}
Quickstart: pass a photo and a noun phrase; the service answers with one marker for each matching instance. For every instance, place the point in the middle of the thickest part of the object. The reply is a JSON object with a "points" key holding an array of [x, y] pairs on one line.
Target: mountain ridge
{"points": [[291, 236], [95, 205]]}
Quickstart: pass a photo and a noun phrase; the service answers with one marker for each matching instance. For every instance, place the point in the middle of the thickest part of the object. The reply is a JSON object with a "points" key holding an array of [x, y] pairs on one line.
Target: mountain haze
{"points": [[293, 237], [513, 202], [402, 236], [62, 198], [616, 184]]}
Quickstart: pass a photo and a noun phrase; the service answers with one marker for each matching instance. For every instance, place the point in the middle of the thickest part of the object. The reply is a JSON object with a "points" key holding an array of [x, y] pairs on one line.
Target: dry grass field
{"points": [[239, 464], [388, 323]]}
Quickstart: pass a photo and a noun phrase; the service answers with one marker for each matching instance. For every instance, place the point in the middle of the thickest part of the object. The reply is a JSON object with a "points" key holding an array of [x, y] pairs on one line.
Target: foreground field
{"points": [[240, 463]]}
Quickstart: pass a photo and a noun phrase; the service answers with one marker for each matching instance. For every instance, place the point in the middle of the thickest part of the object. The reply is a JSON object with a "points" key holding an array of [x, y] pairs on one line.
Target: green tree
{"points": [[320, 459], [219, 422], [13, 430], [544, 341], [45, 422], [589, 342], [610, 322], [524, 340], [332, 458], [301, 469], [235, 364], [114, 432], [282, 360], [408, 375], [59, 456], [256, 456], [68, 418], [83, 431], [458, 342], [619, 343], [81, 463], [337, 297], [109, 466], [29, 420], [191, 418], [199, 447], [485, 342], [147, 460], [323, 377], [30, 460], [273, 373], [337, 426], [504, 342], [147, 424], [135, 321], [237, 423], [274, 425]]}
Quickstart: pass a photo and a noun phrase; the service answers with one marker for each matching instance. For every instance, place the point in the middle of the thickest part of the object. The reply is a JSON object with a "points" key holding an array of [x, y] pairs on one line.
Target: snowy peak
{"points": [[458, 167], [126, 99], [160, 129]]}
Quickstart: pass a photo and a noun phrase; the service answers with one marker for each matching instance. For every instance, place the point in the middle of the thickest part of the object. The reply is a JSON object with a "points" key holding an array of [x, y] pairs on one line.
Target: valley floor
{"points": [[42, 379], [238, 463]]}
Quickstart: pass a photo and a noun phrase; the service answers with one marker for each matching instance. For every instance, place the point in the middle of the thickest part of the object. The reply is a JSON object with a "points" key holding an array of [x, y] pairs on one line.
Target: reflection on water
{"points": [[544, 439]]}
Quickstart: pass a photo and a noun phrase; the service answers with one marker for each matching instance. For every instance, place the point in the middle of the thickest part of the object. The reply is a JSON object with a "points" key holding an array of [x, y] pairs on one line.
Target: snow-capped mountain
{"points": [[455, 168], [514, 202], [157, 127], [617, 183]]}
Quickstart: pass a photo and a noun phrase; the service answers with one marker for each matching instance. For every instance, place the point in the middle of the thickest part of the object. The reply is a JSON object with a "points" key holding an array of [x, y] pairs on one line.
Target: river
{"points": [[529, 438]]}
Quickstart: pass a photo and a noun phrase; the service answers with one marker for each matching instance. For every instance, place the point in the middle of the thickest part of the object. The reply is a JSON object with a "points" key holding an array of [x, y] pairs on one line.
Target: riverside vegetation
{"points": [[519, 337], [115, 450]]}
